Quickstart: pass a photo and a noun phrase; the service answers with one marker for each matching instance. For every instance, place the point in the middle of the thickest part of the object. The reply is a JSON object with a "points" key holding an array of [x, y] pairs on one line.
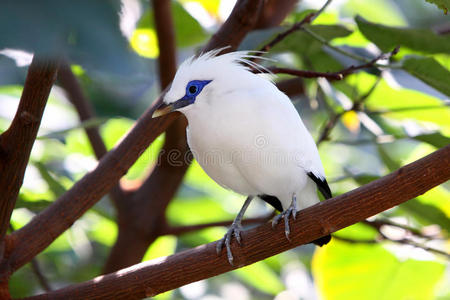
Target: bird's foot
{"points": [[290, 211], [234, 230]]}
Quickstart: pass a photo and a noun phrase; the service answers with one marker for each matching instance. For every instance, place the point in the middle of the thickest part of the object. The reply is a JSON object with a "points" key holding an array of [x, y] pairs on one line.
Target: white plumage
{"points": [[244, 132]]}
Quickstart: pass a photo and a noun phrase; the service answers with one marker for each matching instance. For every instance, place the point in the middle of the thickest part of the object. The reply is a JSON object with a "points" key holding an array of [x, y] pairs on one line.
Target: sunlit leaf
{"points": [[372, 272], [351, 121], [302, 43], [194, 211], [102, 230], [427, 214], [188, 31], [163, 246], [115, 129], [381, 11], [261, 277], [429, 71], [387, 38], [55, 186], [145, 42], [436, 139], [358, 231]]}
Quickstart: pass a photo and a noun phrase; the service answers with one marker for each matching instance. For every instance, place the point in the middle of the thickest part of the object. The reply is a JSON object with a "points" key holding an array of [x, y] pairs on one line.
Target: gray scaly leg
{"points": [[291, 210], [235, 229]]}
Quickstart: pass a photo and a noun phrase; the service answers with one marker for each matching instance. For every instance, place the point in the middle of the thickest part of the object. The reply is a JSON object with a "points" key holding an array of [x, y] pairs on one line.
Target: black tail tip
{"points": [[322, 241]]}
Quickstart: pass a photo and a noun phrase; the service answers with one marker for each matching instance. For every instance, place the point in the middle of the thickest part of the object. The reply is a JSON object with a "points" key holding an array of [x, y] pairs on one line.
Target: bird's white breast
{"points": [[253, 142]]}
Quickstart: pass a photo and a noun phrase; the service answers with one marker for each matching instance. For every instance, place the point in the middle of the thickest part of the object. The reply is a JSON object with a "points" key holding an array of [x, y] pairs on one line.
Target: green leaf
{"points": [[163, 246], [188, 31], [429, 71], [57, 188], [55, 27], [442, 4], [260, 276], [302, 43], [401, 103], [360, 271], [426, 213], [387, 38], [83, 125], [390, 163], [436, 139]]}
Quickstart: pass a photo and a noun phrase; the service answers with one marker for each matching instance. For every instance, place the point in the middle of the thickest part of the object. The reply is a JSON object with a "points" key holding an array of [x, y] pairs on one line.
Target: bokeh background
{"points": [[112, 47]]}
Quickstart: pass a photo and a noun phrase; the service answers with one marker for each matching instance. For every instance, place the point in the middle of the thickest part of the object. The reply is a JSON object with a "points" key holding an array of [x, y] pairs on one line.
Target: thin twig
{"points": [[281, 36], [377, 224], [335, 117], [403, 242], [339, 75], [180, 230], [39, 275], [35, 267], [371, 62], [328, 127]]}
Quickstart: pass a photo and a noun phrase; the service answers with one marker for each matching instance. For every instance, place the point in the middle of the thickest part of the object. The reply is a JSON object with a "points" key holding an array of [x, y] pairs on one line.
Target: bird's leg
{"points": [[291, 210], [235, 229]]}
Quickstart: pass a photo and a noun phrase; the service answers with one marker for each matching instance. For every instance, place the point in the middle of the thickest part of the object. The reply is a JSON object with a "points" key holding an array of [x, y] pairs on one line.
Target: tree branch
{"points": [[153, 277], [241, 20], [16, 142], [335, 117], [44, 228], [297, 26], [140, 224]]}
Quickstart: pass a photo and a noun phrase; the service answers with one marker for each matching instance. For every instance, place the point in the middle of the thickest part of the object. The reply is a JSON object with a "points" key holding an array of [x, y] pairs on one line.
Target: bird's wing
{"points": [[322, 185], [269, 114]]}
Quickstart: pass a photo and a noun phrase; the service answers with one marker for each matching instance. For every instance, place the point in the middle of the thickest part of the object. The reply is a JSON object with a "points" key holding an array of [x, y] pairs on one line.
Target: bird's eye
{"points": [[193, 89]]}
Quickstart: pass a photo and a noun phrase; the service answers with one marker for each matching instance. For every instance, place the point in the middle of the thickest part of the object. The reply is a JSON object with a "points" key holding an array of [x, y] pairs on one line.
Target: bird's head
{"points": [[203, 78]]}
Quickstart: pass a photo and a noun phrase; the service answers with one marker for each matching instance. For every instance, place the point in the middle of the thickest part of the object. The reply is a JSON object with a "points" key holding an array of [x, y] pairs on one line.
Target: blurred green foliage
{"points": [[405, 117]]}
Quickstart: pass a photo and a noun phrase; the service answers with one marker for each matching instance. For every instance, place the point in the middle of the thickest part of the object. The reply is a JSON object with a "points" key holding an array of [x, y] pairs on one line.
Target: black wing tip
{"points": [[322, 184], [273, 201], [322, 241]]}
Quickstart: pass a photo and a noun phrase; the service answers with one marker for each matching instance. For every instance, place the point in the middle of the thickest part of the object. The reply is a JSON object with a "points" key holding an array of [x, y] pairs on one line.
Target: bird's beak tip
{"points": [[161, 111]]}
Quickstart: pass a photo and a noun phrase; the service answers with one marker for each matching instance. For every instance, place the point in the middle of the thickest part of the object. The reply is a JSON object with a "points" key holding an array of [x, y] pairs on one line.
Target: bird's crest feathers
{"points": [[240, 59]]}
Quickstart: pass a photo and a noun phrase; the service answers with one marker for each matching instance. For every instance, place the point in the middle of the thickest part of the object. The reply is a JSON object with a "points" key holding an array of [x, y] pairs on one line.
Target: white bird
{"points": [[247, 136]]}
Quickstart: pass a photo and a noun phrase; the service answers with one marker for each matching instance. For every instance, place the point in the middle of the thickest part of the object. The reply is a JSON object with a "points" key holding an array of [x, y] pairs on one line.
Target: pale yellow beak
{"points": [[162, 110]]}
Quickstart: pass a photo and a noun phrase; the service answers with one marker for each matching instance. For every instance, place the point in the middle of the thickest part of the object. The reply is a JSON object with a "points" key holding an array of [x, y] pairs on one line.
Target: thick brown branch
{"points": [[147, 216], [58, 217], [153, 277], [242, 19], [17, 141], [140, 224], [50, 223]]}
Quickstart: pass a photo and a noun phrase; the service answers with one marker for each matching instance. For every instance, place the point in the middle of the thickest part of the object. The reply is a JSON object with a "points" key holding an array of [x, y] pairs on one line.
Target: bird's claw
{"points": [[235, 230], [291, 211]]}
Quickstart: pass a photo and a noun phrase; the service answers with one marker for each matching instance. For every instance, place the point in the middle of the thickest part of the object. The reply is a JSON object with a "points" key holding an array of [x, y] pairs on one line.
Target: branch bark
{"points": [[16, 142], [44, 228], [153, 277], [140, 224]]}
